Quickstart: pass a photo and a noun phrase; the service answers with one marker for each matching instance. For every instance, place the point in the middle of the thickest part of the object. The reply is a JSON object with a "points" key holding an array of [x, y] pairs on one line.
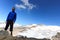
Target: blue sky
{"points": [[32, 11]]}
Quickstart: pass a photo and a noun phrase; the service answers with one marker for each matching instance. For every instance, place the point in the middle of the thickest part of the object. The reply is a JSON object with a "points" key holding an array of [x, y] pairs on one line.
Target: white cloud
{"points": [[3, 24], [25, 5], [20, 6]]}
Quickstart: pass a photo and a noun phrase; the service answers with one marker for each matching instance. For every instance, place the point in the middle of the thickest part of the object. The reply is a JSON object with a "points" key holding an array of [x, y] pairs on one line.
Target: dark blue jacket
{"points": [[11, 17]]}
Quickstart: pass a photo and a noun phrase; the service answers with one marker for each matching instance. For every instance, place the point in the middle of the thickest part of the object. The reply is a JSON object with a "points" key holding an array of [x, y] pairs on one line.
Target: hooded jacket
{"points": [[11, 16]]}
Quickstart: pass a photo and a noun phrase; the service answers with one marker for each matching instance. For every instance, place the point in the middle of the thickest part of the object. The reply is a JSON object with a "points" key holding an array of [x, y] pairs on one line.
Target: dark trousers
{"points": [[9, 23]]}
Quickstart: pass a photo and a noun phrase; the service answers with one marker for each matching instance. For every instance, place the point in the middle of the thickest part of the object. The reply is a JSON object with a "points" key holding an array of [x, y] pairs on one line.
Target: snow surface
{"points": [[41, 31], [36, 30]]}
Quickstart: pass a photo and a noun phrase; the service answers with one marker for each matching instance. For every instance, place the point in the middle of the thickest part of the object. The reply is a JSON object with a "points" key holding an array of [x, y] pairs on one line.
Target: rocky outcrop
{"points": [[56, 37], [4, 35]]}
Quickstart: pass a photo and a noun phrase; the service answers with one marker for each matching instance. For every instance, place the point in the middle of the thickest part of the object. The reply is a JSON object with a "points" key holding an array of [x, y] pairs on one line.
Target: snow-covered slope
{"points": [[35, 30], [40, 31]]}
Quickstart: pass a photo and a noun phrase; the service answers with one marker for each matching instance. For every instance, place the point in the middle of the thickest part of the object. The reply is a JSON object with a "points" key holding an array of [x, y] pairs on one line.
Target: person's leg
{"points": [[11, 28], [7, 25], [11, 33]]}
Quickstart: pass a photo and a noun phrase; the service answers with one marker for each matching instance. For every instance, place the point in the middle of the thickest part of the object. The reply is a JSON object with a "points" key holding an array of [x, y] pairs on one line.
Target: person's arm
{"points": [[14, 18], [8, 16]]}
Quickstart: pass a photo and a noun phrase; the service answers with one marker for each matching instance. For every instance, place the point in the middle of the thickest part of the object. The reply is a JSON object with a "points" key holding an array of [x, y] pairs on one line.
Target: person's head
{"points": [[13, 9]]}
